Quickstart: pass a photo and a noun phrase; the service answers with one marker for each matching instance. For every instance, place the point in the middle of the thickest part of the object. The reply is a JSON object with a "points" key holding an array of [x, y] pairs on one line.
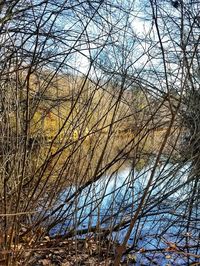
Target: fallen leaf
{"points": [[142, 250], [47, 238], [131, 258], [172, 246], [45, 262]]}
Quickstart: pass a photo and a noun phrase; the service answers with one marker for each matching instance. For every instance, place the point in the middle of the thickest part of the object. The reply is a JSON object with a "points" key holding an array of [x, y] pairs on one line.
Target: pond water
{"points": [[115, 198]]}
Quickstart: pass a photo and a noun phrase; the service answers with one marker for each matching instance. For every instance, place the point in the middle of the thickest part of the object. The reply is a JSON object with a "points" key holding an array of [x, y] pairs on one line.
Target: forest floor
{"points": [[69, 252]]}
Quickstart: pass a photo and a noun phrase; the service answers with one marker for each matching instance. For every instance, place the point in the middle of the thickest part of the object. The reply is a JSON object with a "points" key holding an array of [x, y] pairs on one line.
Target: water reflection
{"points": [[112, 201], [121, 191]]}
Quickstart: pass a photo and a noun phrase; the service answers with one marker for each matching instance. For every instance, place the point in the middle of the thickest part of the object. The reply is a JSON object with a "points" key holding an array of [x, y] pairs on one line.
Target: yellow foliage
{"points": [[75, 135], [36, 123], [51, 125], [47, 125], [86, 131]]}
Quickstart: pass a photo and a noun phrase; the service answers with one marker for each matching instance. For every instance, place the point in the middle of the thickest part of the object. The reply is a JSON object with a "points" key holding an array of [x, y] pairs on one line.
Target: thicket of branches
{"points": [[100, 103]]}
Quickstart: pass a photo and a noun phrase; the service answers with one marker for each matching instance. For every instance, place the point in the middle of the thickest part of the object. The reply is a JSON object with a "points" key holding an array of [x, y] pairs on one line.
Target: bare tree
{"points": [[98, 99]]}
